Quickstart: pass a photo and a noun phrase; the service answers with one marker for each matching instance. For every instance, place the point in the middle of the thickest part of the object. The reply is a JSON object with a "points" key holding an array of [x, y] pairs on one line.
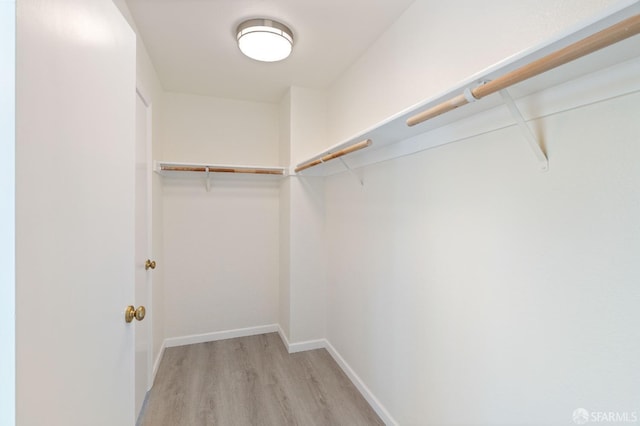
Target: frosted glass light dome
{"points": [[265, 40]]}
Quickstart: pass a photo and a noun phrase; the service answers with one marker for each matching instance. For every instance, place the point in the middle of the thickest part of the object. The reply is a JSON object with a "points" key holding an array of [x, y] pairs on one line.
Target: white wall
{"points": [[435, 44], [7, 211], [284, 286], [307, 263], [466, 287], [284, 129], [215, 130], [221, 247], [302, 289], [221, 255], [306, 219], [308, 123], [284, 299], [303, 280]]}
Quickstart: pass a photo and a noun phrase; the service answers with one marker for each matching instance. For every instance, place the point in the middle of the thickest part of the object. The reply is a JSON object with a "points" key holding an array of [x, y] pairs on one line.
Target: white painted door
{"points": [[143, 249], [75, 224]]}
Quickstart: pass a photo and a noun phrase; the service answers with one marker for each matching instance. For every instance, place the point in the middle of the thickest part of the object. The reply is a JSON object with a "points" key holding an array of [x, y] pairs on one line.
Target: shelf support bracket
{"points": [[534, 144], [207, 182], [346, 166]]}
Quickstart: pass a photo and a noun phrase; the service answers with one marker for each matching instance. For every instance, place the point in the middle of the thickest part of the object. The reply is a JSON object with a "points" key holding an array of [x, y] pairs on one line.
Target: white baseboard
{"points": [[156, 364], [359, 384], [219, 335], [307, 345], [283, 337]]}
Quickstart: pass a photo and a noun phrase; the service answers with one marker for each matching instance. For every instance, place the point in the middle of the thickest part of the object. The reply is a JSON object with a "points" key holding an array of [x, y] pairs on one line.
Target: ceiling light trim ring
{"points": [[249, 31]]}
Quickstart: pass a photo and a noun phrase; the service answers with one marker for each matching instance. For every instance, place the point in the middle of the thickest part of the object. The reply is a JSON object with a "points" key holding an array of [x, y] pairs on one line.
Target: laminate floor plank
{"points": [[253, 381]]}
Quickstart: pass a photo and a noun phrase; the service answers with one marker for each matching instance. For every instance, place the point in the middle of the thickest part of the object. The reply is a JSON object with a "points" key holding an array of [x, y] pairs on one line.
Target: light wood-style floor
{"points": [[253, 381]]}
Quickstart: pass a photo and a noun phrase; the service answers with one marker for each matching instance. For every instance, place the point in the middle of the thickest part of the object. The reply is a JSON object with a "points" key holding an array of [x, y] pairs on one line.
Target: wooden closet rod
{"points": [[331, 156], [611, 35], [257, 171]]}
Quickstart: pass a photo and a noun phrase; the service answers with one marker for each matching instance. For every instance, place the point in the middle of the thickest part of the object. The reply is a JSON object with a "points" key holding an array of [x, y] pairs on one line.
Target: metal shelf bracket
{"points": [[353, 173], [534, 144]]}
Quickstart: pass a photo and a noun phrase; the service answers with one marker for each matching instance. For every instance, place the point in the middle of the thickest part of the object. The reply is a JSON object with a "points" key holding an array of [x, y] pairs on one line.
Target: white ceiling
{"points": [[193, 48]]}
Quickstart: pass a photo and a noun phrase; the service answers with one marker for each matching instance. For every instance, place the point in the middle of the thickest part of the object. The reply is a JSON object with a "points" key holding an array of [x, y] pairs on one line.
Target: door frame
{"points": [[7, 212], [146, 100]]}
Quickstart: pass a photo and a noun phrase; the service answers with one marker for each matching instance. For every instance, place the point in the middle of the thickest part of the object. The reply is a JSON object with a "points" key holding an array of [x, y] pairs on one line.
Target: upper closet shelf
{"points": [[171, 169], [596, 61], [174, 169]]}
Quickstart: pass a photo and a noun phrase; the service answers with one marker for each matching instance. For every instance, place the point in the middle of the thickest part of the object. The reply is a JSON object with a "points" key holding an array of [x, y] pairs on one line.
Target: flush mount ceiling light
{"points": [[265, 40]]}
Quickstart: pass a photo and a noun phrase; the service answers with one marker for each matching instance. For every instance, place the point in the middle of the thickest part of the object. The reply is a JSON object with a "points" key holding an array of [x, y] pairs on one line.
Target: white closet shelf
{"points": [[582, 81], [173, 169]]}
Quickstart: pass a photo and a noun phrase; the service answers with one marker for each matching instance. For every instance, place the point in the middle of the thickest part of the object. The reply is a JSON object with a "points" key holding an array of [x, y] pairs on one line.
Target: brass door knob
{"points": [[150, 264], [131, 312]]}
